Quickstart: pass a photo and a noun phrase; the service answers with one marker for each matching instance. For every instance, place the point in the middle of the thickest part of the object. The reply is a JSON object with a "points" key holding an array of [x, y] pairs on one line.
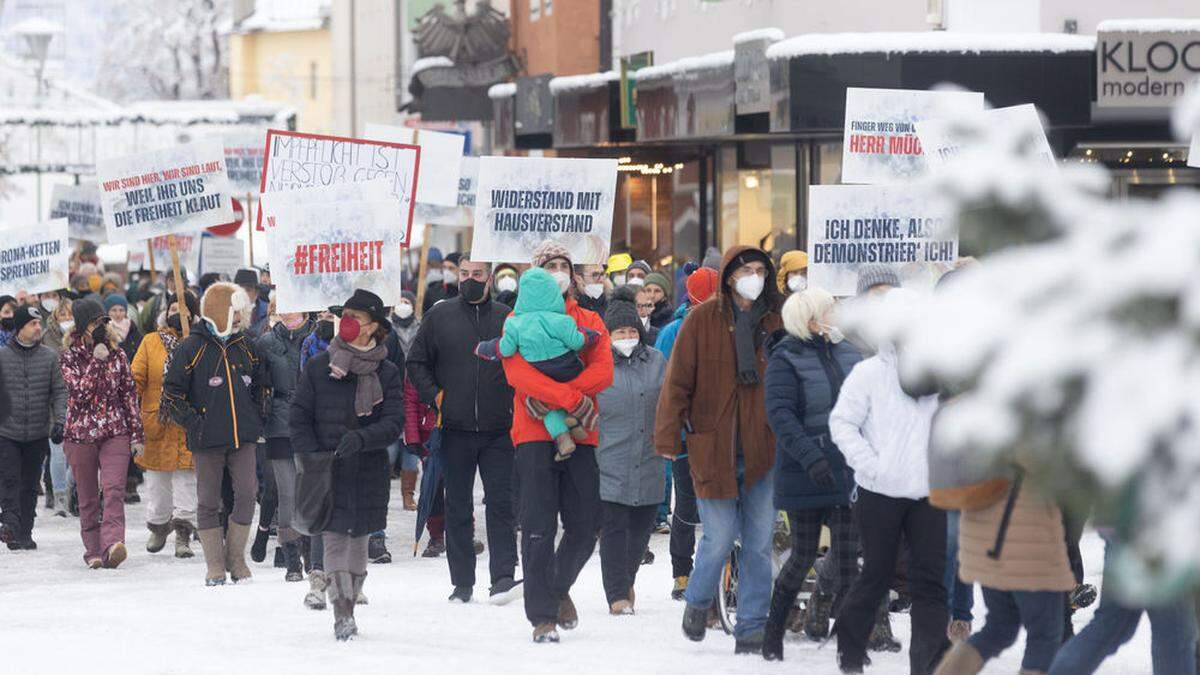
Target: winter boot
{"points": [[680, 588], [61, 506], [158, 536], [564, 445], [7, 534], [749, 644], [816, 616], [213, 545], [881, 639], [648, 557], [434, 548], [478, 545], [317, 583], [958, 631], [295, 567], [621, 608], [782, 601], [460, 594], [695, 622], [578, 433], [131, 493], [962, 659], [408, 485], [341, 595], [377, 551], [114, 556], [258, 550], [545, 633], [568, 616], [235, 552], [183, 539]]}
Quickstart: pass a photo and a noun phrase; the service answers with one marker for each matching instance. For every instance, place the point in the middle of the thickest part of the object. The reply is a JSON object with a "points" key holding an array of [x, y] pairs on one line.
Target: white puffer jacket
{"points": [[882, 431]]}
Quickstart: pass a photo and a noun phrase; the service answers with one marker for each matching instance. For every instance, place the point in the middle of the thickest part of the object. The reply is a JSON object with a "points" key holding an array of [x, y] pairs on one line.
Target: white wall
{"points": [[376, 40], [1090, 12], [993, 16]]}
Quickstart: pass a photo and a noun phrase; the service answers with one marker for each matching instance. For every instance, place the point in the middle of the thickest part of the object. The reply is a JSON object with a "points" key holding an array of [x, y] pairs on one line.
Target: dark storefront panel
{"points": [[589, 116], [689, 105]]}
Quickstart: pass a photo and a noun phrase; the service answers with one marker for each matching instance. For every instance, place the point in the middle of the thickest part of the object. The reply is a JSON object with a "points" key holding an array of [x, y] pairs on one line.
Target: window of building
{"points": [[757, 196], [535, 9], [548, 7], [312, 79]]}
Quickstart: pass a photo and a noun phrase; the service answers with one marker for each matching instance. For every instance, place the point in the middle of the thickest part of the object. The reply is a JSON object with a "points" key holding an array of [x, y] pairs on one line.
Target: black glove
{"points": [[56, 434], [351, 443], [821, 473]]}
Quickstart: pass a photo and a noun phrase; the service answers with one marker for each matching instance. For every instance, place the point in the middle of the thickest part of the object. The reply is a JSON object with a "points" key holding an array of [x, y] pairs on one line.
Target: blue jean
{"points": [[752, 518], [960, 595], [664, 509], [409, 461], [60, 471], [1172, 636], [1039, 612]]}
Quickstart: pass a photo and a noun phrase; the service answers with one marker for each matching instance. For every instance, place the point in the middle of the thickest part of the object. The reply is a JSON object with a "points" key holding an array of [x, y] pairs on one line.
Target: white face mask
{"points": [[797, 283], [625, 347], [433, 276], [618, 280], [506, 284], [594, 291], [50, 304], [645, 322], [404, 310], [832, 333], [637, 281], [749, 286], [563, 279], [66, 326]]}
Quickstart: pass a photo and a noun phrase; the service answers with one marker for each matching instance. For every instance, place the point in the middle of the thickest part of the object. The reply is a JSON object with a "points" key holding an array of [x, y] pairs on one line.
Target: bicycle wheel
{"points": [[727, 593]]}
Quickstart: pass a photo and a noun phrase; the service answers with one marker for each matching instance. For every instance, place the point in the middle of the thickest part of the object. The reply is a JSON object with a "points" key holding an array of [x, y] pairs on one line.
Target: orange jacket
{"points": [[526, 381]]}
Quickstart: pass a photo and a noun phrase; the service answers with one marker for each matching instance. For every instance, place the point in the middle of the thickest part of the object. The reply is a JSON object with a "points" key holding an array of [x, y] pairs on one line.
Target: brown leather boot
{"points": [[962, 659], [568, 616], [235, 551], [408, 484], [212, 542]]}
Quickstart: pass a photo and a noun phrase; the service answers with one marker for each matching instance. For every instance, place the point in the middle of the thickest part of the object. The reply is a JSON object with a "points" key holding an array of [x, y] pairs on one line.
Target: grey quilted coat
{"points": [[630, 472], [34, 383]]}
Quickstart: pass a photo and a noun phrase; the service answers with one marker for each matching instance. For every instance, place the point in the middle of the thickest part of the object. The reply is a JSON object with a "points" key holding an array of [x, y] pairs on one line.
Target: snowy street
{"points": [[154, 615]]}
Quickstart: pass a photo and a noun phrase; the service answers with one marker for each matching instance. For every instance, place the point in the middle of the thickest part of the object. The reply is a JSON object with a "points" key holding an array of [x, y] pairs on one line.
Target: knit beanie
{"points": [[85, 311], [549, 250], [24, 315], [876, 274], [791, 262], [660, 280], [701, 285], [622, 314], [712, 258], [115, 300], [454, 258], [640, 265], [410, 297]]}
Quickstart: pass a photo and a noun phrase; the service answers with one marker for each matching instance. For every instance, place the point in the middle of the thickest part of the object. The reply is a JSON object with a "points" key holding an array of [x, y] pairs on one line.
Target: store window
{"points": [[535, 9], [657, 216], [757, 196]]}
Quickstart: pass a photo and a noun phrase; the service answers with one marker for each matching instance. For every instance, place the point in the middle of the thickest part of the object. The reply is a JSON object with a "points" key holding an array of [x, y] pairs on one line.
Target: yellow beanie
{"points": [[792, 261]]}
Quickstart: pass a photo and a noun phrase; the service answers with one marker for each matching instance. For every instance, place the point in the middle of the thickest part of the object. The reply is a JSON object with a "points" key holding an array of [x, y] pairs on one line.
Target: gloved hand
{"points": [[488, 350], [100, 351], [56, 434], [586, 412], [137, 449], [536, 408], [590, 337], [351, 443], [821, 474]]}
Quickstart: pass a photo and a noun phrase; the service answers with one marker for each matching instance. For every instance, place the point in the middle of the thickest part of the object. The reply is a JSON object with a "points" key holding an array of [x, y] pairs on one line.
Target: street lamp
{"points": [[37, 34]]}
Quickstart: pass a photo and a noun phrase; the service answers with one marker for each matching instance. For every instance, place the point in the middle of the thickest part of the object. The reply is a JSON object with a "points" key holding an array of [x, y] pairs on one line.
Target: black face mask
{"points": [[174, 323], [473, 291], [100, 334], [8, 324], [325, 330]]}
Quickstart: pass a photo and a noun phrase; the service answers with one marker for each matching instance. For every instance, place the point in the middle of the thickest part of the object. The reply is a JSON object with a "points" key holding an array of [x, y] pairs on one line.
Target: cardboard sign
{"points": [[188, 246], [34, 258], [900, 226], [368, 191], [325, 251], [295, 161], [223, 255], [523, 201], [462, 215], [244, 159], [441, 160], [880, 143], [178, 189], [80, 205], [944, 139]]}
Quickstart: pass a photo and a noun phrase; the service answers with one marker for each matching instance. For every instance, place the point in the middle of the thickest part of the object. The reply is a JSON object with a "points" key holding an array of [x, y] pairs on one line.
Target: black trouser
{"points": [[684, 519], [20, 469], [492, 454], [882, 520], [624, 535], [806, 539], [549, 488], [268, 497]]}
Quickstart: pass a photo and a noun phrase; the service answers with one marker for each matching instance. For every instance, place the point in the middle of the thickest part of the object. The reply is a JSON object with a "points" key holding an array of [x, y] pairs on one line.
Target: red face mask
{"points": [[349, 329]]}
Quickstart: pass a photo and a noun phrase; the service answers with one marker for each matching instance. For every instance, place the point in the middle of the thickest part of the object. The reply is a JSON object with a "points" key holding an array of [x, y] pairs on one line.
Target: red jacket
{"points": [[419, 419], [526, 381]]}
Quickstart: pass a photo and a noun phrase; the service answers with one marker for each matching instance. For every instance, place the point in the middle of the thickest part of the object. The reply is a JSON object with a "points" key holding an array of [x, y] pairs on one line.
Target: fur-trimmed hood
{"points": [[222, 302]]}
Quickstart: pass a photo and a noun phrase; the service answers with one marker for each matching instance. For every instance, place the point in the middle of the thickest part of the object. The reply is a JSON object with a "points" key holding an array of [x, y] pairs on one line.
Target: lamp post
{"points": [[37, 34]]}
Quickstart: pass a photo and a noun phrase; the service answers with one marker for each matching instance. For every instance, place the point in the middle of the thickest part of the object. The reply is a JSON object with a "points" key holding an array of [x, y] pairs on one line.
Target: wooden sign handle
{"points": [[422, 268], [180, 290], [150, 257]]}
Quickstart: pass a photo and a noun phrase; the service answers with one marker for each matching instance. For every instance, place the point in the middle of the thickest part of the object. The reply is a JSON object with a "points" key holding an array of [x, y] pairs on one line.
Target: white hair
{"points": [[801, 308]]}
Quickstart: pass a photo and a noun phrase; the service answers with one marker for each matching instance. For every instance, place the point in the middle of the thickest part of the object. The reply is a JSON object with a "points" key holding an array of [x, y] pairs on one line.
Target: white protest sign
{"points": [[325, 251], [523, 201], [296, 161], [441, 160], [368, 191], [80, 205], [900, 226], [880, 142], [178, 189], [944, 139], [223, 255], [462, 215], [34, 258], [188, 246], [1194, 151], [244, 159]]}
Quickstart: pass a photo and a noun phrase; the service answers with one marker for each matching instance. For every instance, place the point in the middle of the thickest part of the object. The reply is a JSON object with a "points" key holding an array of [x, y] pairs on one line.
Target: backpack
{"points": [[963, 483]]}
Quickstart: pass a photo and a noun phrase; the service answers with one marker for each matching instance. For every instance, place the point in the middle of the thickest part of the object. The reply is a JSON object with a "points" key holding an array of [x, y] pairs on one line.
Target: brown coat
{"points": [[1034, 556], [701, 386], [166, 444]]}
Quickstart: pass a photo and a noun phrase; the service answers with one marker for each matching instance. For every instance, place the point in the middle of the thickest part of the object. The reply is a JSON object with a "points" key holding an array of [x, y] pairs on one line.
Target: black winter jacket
{"points": [[475, 393], [280, 348], [218, 392], [322, 412]]}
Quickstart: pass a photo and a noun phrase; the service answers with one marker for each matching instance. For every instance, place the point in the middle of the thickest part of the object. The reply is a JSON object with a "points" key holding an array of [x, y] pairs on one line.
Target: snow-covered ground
{"points": [[154, 615]]}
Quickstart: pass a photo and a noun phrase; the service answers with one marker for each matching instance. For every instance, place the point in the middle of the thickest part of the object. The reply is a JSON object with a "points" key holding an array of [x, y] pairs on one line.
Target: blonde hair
{"points": [[801, 308]]}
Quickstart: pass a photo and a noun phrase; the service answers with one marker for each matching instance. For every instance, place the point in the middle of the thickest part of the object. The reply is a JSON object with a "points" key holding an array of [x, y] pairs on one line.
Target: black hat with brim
{"points": [[365, 301]]}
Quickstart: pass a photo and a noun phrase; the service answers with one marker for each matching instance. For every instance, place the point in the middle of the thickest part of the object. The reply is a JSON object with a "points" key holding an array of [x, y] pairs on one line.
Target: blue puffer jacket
{"points": [[803, 379]]}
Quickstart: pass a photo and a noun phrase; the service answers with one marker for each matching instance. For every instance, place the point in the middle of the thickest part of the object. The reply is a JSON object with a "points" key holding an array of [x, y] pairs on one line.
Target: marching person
{"points": [[592, 288], [169, 471], [216, 389], [55, 326], [812, 484], [350, 401], [658, 287], [103, 425], [258, 321], [793, 272], [37, 398], [126, 330]]}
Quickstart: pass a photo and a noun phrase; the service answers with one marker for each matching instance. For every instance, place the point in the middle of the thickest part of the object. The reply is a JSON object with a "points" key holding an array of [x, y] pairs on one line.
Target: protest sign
{"points": [[80, 205], [223, 255], [1194, 151], [188, 246], [523, 201], [325, 251], [244, 159], [462, 215], [441, 160], [375, 190], [34, 258], [179, 189], [294, 161], [880, 143], [900, 226], [944, 139]]}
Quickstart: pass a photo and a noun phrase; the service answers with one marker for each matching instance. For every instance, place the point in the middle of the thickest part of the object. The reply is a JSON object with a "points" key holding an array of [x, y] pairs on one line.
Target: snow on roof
{"points": [[1149, 26], [772, 34], [703, 62], [430, 62], [588, 81], [37, 26], [154, 112], [282, 16], [502, 90], [829, 44]]}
